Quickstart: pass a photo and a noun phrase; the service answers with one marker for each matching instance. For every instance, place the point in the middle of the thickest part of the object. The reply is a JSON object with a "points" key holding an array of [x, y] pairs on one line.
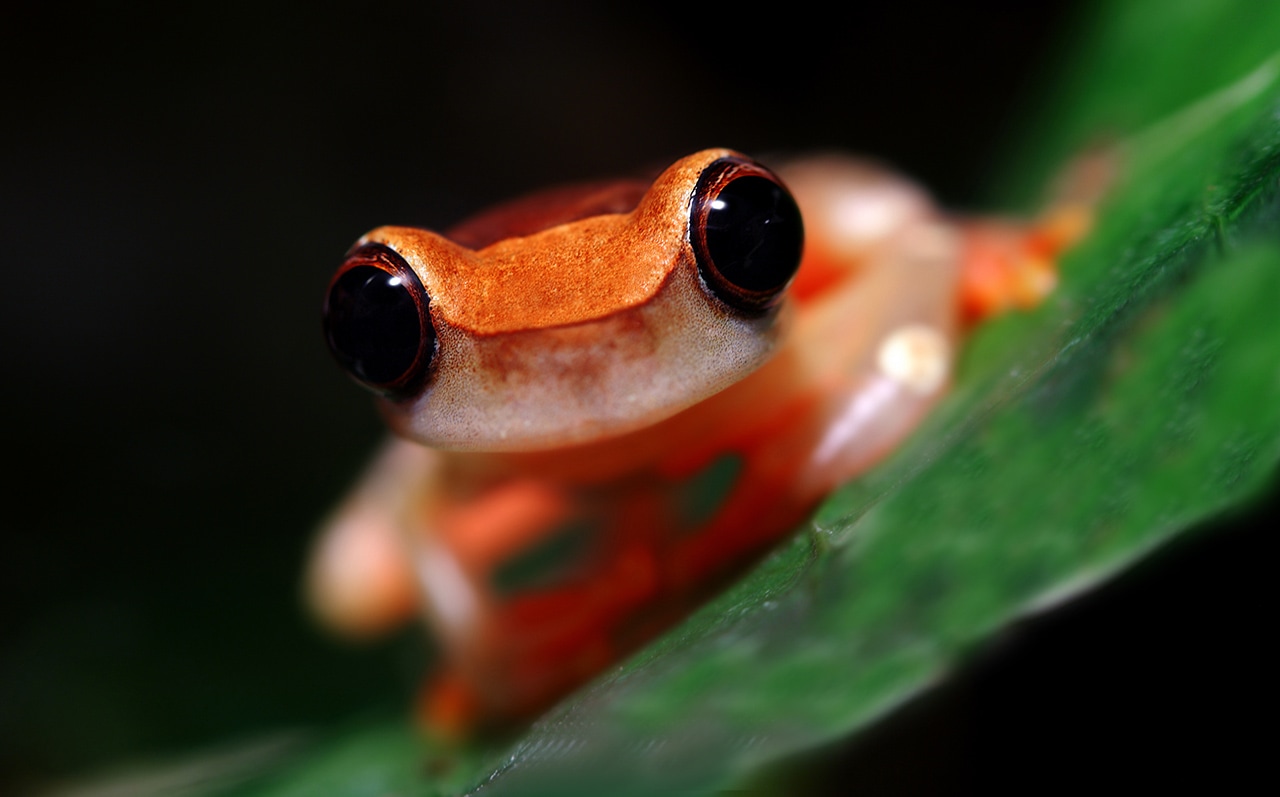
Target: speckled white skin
{"points": [[565, 385]]}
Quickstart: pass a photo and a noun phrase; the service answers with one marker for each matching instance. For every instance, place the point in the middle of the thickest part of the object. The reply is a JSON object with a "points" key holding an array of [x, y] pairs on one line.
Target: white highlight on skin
{"points": [[448, 591], [912, 365], [917, 357], [857, 415], [851, 207], [867, 216]]}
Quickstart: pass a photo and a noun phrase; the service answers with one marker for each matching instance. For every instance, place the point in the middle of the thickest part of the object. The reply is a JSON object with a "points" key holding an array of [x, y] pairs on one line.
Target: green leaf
{"points": [[1141, 399]]}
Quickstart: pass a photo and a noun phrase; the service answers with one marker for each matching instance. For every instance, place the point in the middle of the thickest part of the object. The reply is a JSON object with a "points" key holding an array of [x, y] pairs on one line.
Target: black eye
{"points": [[376, 321], [746, 233]]}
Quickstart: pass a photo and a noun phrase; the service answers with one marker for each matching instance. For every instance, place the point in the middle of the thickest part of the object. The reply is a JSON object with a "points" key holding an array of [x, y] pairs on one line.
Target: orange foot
{"points": [[449, 707], [1011, 266]]}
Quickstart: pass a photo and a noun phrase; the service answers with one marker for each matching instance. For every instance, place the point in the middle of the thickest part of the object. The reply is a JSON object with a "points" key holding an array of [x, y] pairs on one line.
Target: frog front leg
{"points": [[359, 580], [518, 578]]}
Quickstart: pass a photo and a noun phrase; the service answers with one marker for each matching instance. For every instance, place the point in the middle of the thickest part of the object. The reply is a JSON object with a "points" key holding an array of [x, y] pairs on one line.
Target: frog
{"points": [[609, 399]]}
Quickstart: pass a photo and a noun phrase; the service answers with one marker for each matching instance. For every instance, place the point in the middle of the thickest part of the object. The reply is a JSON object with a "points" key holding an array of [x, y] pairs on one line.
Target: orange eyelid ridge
{"points": [[568, 274]]}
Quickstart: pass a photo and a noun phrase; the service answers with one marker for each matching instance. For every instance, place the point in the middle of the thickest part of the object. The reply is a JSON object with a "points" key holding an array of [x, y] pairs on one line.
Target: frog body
{"points": [[607, 415]]}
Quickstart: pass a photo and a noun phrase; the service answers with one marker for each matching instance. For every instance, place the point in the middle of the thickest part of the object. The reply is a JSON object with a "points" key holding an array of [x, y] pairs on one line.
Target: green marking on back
{"points": [[701, 497], [545, 562]]}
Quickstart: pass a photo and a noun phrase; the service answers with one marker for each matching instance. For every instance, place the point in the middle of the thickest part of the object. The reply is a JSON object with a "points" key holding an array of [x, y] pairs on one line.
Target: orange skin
{"points": [[597, 420]]}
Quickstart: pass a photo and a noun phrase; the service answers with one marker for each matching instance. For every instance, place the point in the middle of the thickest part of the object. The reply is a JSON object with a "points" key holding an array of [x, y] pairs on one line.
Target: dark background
{"points": [[178, 187]]}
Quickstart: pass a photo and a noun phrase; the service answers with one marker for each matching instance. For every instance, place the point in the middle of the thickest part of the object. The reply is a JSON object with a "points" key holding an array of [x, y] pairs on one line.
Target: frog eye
{"points": [[376, 321], [746, 233]]}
